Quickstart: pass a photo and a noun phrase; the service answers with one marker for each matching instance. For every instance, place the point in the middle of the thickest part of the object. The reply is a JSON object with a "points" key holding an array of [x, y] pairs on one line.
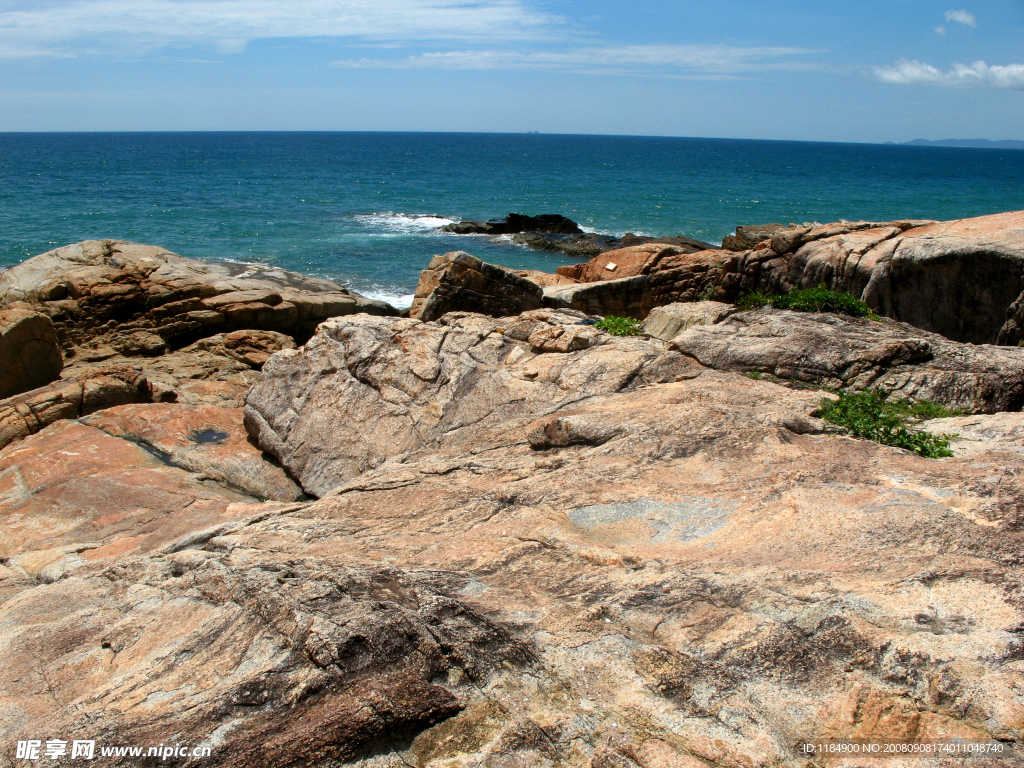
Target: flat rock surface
{"points": [[75, 489]]}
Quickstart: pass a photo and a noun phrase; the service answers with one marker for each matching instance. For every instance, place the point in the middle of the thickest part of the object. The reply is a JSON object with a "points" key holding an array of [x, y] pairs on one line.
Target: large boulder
{"points": [[416, 385], [624, 297], [837, 351], [29, 350], [619, 263], [140, 299], [456, 281]]}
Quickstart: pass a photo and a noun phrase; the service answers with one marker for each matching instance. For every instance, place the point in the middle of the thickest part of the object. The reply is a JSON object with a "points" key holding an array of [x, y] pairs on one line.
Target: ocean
{"points": [[364, 208]]}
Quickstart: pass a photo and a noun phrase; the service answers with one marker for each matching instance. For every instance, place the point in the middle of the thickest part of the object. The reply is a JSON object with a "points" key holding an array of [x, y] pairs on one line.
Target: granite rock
{"points": [[669, 321], [207, 440], [841, 352], [679, 569], [29, 412]]}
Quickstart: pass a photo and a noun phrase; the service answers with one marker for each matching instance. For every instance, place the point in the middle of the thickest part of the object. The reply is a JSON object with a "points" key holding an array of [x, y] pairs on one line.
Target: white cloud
{"points": [[980, 74], [70, 26], [939, 30], [961, 17], [632, 59]]}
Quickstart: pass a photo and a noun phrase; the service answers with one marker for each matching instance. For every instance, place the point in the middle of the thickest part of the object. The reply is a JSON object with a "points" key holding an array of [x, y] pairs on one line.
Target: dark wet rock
{"points": [[552, 232], [514, 223]]}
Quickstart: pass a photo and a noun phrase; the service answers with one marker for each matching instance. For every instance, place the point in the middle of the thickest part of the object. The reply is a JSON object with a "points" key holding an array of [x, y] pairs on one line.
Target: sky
{"points": [[865, 71]]}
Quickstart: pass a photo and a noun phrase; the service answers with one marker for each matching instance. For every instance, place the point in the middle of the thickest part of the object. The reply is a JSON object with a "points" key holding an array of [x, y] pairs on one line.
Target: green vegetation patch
{"points": [[820, 299], [869, 415], [619, 326]]}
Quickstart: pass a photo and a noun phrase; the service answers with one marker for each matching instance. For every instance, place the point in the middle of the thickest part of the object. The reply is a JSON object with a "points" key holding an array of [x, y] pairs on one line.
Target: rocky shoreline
{"points": [[253, 511]]}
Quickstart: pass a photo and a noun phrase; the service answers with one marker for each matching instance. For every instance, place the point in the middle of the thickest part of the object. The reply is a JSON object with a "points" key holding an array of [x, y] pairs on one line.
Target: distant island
{"points": [[975, 143]]}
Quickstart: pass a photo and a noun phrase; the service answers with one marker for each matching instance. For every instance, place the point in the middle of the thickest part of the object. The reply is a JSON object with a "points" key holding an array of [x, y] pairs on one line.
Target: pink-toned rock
{"points": [[74, 488], [204, 439], [685, 573], [69, 398], [624, 262]]}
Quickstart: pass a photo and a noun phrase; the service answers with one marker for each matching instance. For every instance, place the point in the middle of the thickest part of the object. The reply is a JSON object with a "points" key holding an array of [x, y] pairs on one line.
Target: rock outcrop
{"points": [[552, 232], [125, 323], [28, 413], [207, 440], [535, 543], [29, 351], [961, 279], [409, 383], [667, 322], [749, 235]]}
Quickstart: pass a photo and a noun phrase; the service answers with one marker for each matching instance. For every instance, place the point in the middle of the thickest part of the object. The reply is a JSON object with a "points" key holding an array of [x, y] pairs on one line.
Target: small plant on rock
{"points": [[820, 299], [619, 326], [870, 415]]}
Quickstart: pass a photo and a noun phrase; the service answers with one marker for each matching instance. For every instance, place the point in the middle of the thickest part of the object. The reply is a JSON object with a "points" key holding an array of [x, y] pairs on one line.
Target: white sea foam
{"points": [[401, 223], [396, 300]]}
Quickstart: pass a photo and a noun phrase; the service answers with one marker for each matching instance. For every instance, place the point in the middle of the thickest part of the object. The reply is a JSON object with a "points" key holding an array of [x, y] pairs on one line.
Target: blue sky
{"points": [[841, 71]]}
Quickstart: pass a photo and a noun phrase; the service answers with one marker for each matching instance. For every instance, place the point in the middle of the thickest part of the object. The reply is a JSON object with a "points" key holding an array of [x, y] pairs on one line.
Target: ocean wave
{"points": [[402, 223]]}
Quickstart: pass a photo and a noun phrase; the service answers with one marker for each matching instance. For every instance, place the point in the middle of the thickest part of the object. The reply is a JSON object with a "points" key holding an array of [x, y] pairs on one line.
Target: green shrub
{"points": [[869, 415], [820, 299], [619, 326]]}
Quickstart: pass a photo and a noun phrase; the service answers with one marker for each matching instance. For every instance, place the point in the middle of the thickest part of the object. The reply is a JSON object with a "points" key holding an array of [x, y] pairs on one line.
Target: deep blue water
{"points": [[364, 207]]}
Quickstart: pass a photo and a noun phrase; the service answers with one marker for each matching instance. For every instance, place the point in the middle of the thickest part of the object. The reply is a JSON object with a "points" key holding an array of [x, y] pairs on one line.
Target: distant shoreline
{"points": [[965, 143]]}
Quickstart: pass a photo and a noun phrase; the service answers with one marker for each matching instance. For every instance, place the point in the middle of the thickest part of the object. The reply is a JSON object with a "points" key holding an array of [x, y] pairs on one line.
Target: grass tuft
{"points": [[820, 299], [869, 415], [619, 326]]}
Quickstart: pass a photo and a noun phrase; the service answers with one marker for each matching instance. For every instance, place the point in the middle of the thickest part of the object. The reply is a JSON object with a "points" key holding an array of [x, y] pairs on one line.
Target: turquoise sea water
{"points": [[364, 208]]}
